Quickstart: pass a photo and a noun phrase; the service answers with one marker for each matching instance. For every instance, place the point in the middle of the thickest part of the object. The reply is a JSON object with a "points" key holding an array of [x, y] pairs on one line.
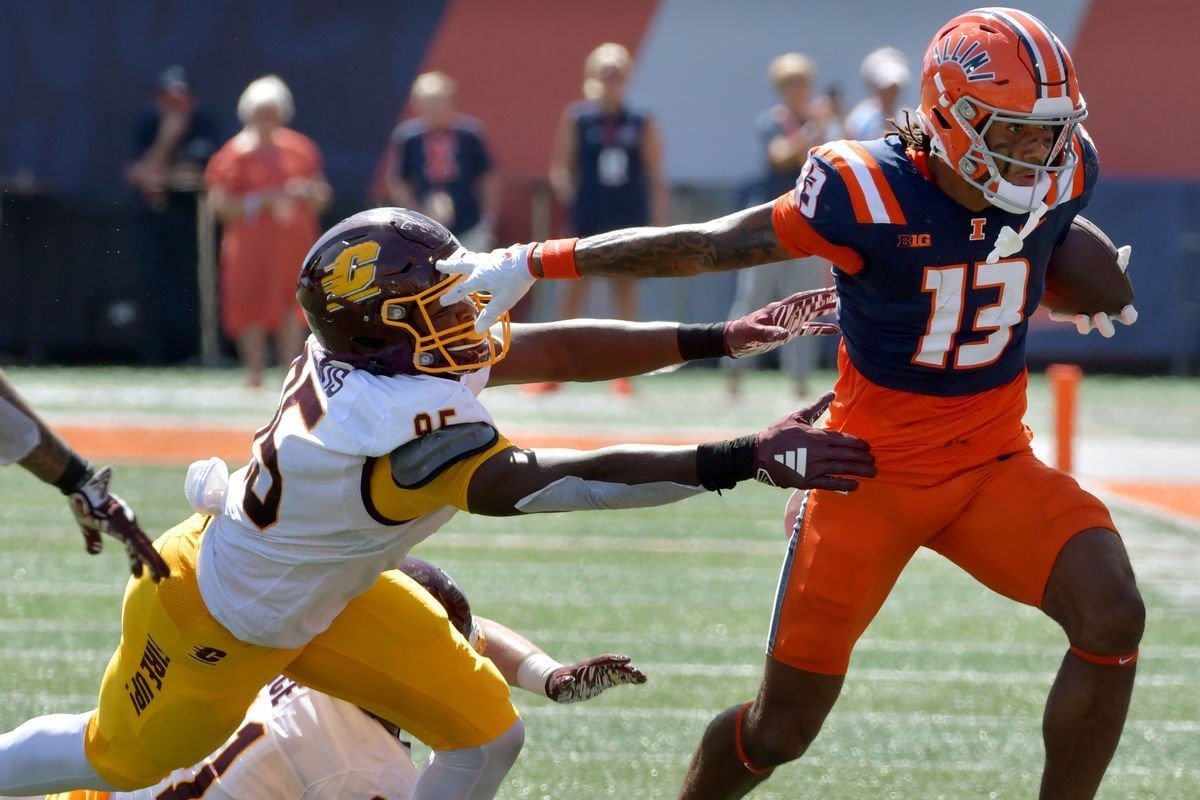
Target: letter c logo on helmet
{"points": [[372, 297], [1000, 66]]}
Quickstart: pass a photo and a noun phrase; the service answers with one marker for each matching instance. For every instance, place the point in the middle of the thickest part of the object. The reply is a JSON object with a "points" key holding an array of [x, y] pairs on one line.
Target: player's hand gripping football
{"points": [[99, 511], [503, 273], [792, 453], [1100, 321], [586, 679], [779, 322]]}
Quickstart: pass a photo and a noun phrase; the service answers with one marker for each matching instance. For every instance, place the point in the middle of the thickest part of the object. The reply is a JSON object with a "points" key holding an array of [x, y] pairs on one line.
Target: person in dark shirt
{"points": [[442, 167], [784, 134], [171, 144], [607, 170]]}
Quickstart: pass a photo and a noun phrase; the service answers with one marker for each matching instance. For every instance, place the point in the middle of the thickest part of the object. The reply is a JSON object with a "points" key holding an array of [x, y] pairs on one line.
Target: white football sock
{"points": [[473, 773], [46, 755]]}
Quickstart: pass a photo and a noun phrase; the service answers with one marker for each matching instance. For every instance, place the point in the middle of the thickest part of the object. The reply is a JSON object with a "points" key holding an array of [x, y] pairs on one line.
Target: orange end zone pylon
{"points": [[1064, 382]]}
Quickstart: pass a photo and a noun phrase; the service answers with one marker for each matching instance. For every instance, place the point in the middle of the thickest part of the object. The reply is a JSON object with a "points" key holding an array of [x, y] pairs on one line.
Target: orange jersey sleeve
{"points": [[802, 240]]}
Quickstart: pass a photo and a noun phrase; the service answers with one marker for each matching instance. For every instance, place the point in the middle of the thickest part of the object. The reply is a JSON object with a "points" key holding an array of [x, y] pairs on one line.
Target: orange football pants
{"points": [[1004, 523]]}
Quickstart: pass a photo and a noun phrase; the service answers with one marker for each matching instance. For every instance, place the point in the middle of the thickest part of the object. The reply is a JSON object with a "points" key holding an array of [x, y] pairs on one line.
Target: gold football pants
{"points": [[179, 683]]}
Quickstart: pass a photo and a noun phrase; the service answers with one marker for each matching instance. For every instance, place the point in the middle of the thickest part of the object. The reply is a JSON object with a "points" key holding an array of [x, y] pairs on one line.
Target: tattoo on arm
{"points": [[743, 239]]}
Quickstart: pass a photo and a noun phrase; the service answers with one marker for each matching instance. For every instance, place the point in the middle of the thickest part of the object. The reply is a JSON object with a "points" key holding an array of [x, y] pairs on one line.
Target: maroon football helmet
{"points": [[373, 298]]}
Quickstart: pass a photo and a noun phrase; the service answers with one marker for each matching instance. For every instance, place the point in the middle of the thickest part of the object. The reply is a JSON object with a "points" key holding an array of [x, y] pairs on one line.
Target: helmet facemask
{"points": [[981, 166], [451, 344]]}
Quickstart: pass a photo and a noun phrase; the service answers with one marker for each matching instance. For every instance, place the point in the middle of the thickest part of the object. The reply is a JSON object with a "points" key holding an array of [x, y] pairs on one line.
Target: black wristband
{"points": [[75, 475], [720, 465], [702, 341]]}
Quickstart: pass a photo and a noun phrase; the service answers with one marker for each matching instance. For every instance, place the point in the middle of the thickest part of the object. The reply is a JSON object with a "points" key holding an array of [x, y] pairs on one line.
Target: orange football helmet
{"points": [[997, 66]]}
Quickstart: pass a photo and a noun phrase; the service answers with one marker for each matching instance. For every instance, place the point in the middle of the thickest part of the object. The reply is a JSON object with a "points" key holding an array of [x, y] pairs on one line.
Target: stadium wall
{"points": [[74, 76]]}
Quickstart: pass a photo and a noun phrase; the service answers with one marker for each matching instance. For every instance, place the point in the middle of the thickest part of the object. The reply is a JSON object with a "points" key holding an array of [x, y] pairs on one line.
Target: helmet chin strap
{"points": [[1010, 242]]}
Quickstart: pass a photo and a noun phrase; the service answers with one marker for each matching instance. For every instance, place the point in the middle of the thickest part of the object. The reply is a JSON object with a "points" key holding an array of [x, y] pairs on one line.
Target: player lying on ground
{"points": [[940, 237], [27, 440], [377, 441], [297, 743]]}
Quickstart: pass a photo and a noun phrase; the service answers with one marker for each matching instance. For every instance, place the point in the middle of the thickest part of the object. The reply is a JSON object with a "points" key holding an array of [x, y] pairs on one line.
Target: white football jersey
{"points": [[296, 744], [297, 539]]}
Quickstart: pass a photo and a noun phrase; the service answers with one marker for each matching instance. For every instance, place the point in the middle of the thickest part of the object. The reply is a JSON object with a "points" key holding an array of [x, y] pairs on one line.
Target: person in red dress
{"points": [[267, 188]]}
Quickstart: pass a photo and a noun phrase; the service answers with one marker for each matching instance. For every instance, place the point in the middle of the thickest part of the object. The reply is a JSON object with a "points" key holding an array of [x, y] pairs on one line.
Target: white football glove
{"points": [[503, 273], [1100, 321]]}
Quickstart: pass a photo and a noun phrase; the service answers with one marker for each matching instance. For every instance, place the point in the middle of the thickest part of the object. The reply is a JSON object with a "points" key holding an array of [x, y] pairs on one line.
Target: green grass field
{"points": [[943, 700]]}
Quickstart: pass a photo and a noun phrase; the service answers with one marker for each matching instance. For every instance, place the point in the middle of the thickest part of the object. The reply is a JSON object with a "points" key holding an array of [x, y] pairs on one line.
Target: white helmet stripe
{"points": [[1026, 40], [1055, 50]]}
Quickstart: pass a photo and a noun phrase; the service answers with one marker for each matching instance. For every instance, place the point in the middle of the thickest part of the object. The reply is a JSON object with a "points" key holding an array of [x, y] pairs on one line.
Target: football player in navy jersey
{"points": [[940, 236]]}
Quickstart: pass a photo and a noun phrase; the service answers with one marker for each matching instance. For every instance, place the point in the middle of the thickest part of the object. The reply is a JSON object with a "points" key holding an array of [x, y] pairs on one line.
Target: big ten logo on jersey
{"points": [[423, 423], [352, 276], [147, 680], [915, 240]]}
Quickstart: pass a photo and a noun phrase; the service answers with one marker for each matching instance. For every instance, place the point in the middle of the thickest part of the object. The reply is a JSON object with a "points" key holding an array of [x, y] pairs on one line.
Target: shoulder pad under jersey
{"points": [[856, 191], [420, 460]]}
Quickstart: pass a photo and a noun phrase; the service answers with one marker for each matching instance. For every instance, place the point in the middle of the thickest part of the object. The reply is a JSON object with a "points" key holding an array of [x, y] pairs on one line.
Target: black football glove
{"points": [[792, 453], [98, 511]]}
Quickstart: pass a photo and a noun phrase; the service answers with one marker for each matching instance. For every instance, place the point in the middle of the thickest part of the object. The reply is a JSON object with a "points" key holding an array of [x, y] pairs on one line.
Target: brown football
{"points": [[1083, 276]]}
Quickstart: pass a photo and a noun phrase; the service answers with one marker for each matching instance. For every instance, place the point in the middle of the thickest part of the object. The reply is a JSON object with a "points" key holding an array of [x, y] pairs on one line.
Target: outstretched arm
{"points": [[741, 239], [788, 453], [738, 240], [524, 664], [26, 439], [601, 349]]}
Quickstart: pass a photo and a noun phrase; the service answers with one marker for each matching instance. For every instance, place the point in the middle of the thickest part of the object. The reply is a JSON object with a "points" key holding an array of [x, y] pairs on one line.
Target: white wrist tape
{"points": [[535, 671], [206, 485], [578, 494], [18, 433]]}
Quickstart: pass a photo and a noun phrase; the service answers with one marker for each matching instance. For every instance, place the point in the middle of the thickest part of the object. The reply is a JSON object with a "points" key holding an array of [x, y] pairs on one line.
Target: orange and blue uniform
{"points": [[932, 374]]}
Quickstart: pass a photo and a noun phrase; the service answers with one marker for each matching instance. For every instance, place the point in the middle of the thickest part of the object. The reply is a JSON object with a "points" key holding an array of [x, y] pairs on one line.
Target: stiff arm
{"points": [[743, 239]]}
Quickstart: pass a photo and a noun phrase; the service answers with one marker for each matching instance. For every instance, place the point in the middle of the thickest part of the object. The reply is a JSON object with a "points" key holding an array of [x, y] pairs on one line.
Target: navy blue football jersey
{"points": [[920, 309]]}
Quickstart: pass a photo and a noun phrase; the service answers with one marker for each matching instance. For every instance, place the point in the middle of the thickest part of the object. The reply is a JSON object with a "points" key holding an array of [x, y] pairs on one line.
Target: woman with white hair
{"points": [[267, 189], [885, 74]]}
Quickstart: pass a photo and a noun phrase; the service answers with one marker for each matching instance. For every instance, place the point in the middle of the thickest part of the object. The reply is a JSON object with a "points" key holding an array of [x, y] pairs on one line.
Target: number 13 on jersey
{"points": [[947, 287]]}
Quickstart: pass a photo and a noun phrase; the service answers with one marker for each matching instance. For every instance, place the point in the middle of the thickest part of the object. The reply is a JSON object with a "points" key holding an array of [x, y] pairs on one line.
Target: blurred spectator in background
{"points": [[441, 167], [885, 72], [171, 144], [607, 169], [267, 189], [785, 133]]}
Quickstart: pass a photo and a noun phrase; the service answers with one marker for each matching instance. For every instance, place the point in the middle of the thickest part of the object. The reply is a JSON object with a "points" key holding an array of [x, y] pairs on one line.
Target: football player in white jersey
{"points": [[298, 744], [377, 441], [27, 440]]}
